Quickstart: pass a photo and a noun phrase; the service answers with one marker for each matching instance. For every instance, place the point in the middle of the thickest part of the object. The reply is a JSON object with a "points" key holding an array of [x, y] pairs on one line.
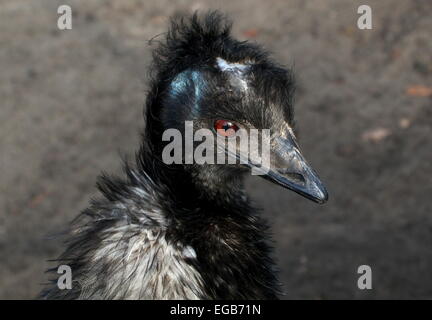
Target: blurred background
{"points": [[71, 102]]}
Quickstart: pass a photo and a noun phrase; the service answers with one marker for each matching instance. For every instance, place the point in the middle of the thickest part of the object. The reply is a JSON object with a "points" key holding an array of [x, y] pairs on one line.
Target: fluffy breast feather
{"points": [[118, 249], [140, 264]]}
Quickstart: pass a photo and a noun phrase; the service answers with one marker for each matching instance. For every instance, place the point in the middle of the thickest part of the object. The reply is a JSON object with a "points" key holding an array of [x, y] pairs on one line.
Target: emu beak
{"points": [[289, 169]]}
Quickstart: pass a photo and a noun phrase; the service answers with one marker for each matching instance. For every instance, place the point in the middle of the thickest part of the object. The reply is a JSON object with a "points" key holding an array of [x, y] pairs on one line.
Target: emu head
{"points": [[208, 80]]}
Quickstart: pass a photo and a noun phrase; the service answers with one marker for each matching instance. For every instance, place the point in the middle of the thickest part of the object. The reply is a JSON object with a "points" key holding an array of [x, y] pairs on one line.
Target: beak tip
{"points": [[320, 195], [323, 198]]}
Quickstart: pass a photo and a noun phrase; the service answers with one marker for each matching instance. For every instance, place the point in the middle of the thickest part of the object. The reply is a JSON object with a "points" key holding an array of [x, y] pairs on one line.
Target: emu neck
{"points": [[211, 214], [195, 185]]}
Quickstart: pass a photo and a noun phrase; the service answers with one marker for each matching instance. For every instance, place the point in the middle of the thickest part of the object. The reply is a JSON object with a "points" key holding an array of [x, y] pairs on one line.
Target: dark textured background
{"points": [[71, 101]]}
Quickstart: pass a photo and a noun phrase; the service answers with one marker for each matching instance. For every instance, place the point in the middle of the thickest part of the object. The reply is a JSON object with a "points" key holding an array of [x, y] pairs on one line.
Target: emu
{"points": [[188, 231]]}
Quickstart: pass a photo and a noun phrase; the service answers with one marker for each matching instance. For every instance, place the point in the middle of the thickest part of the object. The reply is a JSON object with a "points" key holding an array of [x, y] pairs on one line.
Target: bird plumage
{"points": [[184, 231]]}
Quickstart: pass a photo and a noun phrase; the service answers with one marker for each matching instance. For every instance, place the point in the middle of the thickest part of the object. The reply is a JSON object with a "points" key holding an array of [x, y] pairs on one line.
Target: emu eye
{"points": [[225, 128]]}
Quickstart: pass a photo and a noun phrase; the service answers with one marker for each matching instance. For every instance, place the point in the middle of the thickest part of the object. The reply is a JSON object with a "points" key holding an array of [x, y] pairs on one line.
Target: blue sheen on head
{"points": [[180, 83], [187, 81]]}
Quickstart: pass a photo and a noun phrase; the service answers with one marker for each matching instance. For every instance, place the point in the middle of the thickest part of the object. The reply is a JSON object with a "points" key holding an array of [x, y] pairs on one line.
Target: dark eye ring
{"points": [[226, 128]]}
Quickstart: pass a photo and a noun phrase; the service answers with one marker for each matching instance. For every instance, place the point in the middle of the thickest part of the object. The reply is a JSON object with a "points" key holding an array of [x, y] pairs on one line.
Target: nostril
{"points": [[293, 176]]}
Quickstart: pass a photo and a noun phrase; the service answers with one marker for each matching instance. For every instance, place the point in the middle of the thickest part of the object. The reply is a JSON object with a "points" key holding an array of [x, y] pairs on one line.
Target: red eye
{"points": [[225, 128]]}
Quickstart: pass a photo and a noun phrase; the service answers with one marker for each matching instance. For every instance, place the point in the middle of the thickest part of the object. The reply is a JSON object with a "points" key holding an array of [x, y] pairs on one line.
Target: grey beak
{"points": [[290, 169], [286, 166]]}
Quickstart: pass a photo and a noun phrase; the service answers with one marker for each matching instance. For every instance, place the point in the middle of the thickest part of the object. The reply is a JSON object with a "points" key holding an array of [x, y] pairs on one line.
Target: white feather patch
{"points": [[139, 263], [236, 72]]}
